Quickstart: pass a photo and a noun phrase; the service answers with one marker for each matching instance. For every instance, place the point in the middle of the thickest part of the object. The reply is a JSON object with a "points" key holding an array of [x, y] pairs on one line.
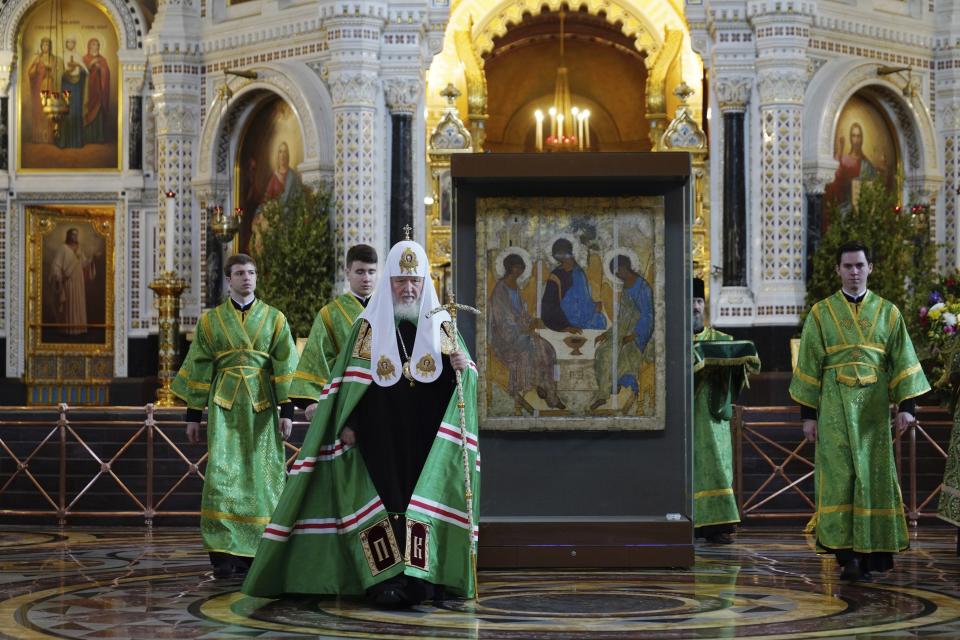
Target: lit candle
{"points": [[575, 122], [539, 116], [553, 121], [580, 131], [586, 127], [170, 222], [560, 126]]}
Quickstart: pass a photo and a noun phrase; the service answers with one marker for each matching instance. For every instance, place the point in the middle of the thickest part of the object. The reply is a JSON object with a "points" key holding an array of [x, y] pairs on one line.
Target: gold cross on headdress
{"points": [[406, 231]]}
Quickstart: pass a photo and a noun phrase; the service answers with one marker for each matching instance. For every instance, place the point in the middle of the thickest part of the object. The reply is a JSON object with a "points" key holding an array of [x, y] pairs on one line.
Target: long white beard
{"points": [[408, 311]]}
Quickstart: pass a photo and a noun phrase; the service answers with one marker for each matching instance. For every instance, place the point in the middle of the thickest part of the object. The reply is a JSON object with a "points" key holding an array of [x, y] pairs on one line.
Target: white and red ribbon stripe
{"points": [[356, 519], [327, 453], [451, 433], [357, 375], [439, 511]]}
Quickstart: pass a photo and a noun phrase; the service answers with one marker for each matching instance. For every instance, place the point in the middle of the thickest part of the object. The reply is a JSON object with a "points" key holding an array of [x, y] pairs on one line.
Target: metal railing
{"points": [[769, 437], [76, 450], [789, 464]]}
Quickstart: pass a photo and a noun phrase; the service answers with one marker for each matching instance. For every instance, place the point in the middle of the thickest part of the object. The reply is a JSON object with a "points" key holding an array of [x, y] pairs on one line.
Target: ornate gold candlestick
{"points": [[168, 287]]}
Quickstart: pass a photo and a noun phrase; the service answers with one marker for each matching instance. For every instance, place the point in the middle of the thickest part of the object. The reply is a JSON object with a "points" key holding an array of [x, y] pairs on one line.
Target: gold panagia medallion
{"points": [[385, 368], [427, 366], [409, 262]]}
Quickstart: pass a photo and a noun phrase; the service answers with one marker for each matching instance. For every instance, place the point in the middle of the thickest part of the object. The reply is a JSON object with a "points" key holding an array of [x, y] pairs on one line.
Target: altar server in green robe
{"points": [[376, 503], [721, 366], [332, 326], [855, 359], [239, 368]]}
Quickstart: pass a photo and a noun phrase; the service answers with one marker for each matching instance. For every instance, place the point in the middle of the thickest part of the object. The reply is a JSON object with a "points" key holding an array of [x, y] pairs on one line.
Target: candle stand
{"points": [[168, 287]]}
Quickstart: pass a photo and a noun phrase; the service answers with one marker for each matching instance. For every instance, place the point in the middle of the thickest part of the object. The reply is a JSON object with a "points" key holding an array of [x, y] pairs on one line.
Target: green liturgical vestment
{"points": [[331, 329], [949, 508], [854, 360], [331, 532], [721, 366], [239, 368]]}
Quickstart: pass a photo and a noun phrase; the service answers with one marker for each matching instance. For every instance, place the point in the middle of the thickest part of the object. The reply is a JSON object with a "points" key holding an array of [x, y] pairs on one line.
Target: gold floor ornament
{"points": [[452, 307]]}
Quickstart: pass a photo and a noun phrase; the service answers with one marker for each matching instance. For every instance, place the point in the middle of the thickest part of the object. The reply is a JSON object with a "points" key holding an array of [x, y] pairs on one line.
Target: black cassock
{"points": [[396, 427]]}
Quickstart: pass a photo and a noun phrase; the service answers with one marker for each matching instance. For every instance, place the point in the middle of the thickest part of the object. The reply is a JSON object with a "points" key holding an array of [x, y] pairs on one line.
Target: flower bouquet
{"points": [[938, 325]]}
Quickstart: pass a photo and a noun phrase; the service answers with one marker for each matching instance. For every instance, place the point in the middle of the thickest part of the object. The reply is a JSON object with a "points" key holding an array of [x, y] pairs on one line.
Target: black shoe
{"points": [[851, 571], [223, 571], [720, 538], [391, 598]]}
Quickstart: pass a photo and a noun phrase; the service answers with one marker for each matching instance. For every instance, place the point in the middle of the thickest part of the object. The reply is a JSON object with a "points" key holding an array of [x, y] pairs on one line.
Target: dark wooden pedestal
{"points": [[563, 543]]}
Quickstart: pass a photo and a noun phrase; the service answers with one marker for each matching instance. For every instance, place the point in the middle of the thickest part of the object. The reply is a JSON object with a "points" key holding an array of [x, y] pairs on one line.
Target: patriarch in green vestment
{"points": [[721, 366], [855, 359], [332, 326], [376, 502], [239, 369]]}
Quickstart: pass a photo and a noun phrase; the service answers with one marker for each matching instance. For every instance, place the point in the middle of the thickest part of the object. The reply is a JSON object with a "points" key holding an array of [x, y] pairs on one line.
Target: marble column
{"points": [[6, 74], [732, 96], [402, 96], [4, 131], [814, 223], [135, 134]]}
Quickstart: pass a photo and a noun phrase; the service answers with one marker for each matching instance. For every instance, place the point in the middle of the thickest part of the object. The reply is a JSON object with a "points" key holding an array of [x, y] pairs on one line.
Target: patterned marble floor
{"points": [[126, 583]]}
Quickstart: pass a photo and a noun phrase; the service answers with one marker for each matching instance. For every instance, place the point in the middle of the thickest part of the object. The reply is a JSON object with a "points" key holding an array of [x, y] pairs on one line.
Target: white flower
{"points": [[949, 319], [937, 307]]}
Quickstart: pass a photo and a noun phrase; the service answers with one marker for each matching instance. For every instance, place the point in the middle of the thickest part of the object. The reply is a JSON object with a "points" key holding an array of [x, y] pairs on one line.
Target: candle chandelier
{"points": [[569, 124]]}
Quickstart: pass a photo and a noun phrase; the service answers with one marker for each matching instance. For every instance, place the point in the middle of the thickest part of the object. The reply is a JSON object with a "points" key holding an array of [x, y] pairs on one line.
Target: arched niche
{"points": [[607, 75], [833, 87], [646, 24], [229, 114], [126, 16]]}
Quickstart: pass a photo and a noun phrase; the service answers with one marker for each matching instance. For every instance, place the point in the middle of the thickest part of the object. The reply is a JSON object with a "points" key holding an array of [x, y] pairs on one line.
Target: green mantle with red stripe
{"points": [[330, 532]]}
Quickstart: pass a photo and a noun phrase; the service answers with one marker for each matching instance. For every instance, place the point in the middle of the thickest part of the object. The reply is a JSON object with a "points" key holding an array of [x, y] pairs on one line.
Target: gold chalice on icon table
{"points": [[575, 342]]}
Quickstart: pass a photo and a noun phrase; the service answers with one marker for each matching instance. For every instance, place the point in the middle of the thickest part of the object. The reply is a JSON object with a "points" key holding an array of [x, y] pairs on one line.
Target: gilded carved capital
{"points": [[353, 88], [402, 94], [783, 85], [177, 120], [949, 116], [134, 76], [816, 179], [733, 93]]}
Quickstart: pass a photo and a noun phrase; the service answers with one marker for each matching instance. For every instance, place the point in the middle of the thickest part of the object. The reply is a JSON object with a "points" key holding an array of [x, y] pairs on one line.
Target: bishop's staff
{"points": [[452, 307]]}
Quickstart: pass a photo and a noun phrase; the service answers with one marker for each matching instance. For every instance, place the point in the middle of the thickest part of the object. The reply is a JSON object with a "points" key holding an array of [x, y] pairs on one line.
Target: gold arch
{"points": [[640, 27], [658, 27]]}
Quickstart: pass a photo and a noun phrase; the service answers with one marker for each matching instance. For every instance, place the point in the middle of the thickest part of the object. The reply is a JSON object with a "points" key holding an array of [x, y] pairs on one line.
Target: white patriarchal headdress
{"points": [[407, 258]]}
